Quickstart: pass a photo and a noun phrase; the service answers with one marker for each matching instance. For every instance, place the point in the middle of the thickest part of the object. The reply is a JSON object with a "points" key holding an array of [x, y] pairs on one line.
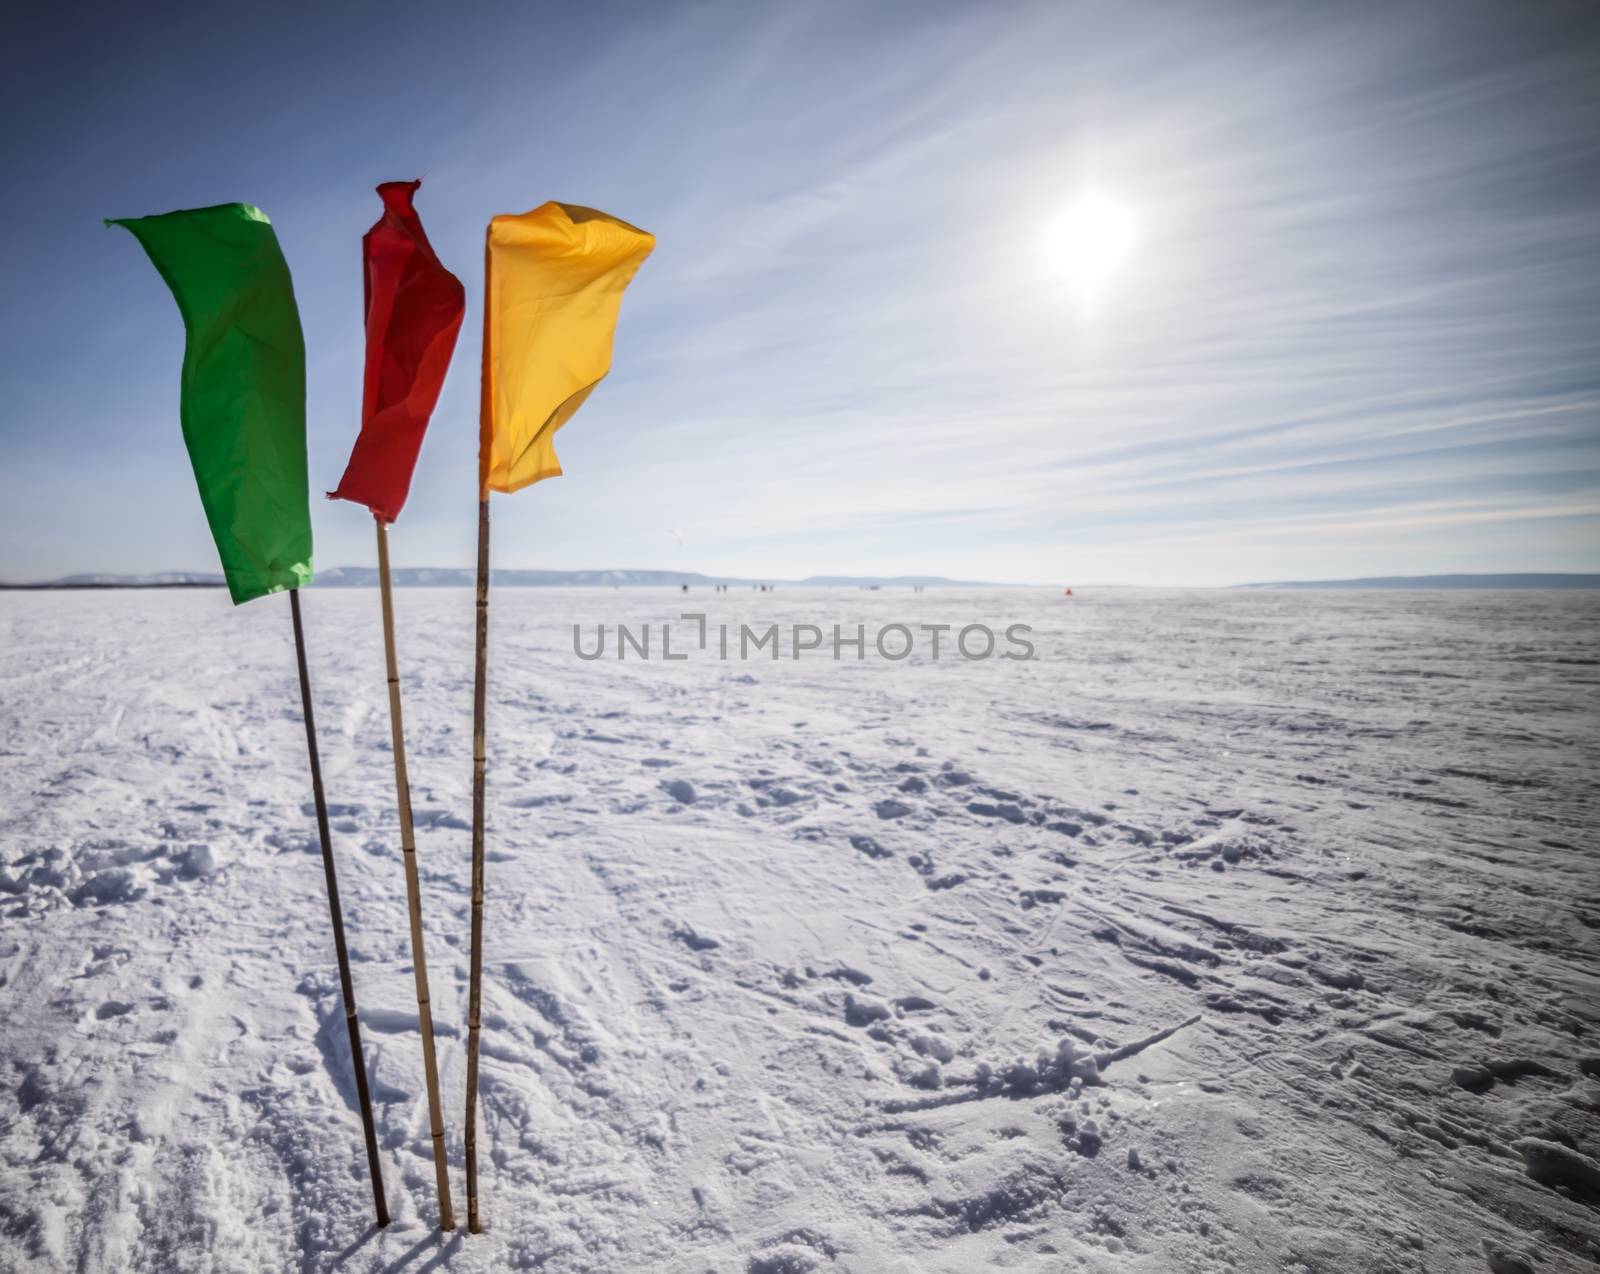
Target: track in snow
{"points": [[781, 954]]}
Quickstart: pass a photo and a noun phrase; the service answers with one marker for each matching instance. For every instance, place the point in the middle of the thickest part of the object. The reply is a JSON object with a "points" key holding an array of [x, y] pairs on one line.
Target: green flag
{"points": [[244, 388]]}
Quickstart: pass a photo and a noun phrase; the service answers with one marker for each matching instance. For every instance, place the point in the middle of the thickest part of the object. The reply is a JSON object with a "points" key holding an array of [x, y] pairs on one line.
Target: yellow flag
{"points": [[554, 279]]}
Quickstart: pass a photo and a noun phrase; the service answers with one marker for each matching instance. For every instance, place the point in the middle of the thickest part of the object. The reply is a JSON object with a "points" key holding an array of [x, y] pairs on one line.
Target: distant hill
{"points": [[459, 577], [464, 577], [1526, 580], [453, 577], [161, 579]]}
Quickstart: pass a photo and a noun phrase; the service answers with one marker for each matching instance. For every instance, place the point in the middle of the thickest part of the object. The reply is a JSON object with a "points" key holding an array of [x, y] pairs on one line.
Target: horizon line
{"points": [[90, 580]]}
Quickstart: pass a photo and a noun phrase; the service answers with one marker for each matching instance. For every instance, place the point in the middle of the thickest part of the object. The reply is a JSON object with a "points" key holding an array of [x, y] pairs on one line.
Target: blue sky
{"points": [[1355, 333]]}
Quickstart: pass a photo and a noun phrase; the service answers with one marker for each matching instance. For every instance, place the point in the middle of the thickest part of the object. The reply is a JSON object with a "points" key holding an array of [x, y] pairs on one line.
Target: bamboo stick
{"points": [[475, 992], [408, 848], [337, 915]]}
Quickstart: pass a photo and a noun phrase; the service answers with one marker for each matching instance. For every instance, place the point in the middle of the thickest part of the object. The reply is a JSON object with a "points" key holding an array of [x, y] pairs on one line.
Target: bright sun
{"points": [[1090, 239]]}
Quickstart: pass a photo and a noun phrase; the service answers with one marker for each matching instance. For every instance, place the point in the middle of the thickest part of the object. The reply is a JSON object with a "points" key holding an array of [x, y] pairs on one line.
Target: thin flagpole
{"points": [[408, 847], [354, 1027], [475, 993]]}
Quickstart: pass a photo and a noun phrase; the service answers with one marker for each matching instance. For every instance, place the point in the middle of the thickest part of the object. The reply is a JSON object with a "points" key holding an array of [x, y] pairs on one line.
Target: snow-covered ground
{"points": [[781, 954]]}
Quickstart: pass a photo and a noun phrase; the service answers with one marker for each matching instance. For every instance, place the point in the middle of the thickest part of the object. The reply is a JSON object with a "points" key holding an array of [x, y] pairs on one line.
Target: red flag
{"points": [[414, 311]]}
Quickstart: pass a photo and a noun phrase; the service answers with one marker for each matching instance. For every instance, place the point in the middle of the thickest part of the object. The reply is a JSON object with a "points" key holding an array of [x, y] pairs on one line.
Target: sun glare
{"points": [[1090, 239]]}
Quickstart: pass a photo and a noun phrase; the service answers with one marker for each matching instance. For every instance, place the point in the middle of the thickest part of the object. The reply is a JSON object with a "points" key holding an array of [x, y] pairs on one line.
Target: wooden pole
{"points": [[354, 1027], [408, 848], [475, 991]]}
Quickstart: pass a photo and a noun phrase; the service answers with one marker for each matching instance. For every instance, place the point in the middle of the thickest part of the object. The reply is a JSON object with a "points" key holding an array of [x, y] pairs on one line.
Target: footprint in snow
{"points": [[864, 1012], [694, 941], [1005, 810], [680, 790], [107, 887], [309, 809]]}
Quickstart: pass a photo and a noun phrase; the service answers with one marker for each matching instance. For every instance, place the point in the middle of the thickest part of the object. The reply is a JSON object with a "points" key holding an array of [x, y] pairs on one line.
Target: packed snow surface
{"points": [[1236, 931]]}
